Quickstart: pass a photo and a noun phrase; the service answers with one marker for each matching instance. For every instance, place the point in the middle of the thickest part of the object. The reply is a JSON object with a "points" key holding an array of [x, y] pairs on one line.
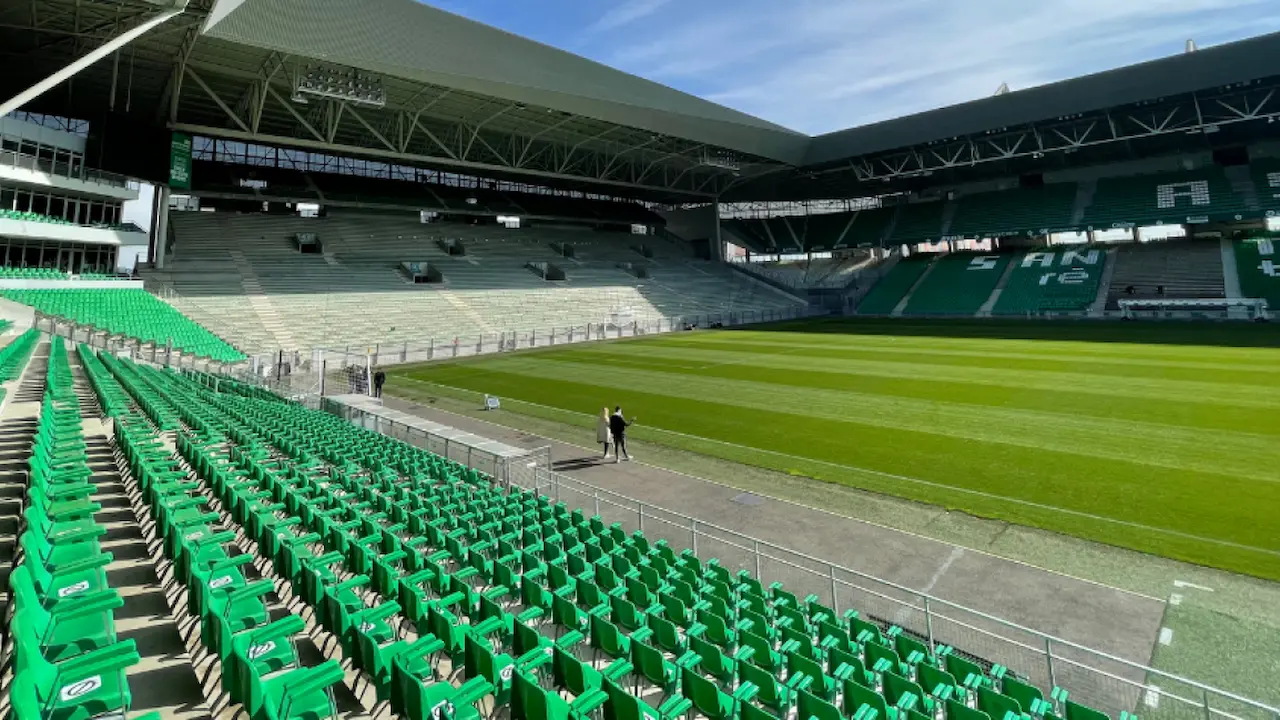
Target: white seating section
{"points": [[241, 275]]}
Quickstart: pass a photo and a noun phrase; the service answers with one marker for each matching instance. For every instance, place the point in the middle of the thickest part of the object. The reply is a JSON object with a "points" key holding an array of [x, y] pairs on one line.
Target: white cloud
{"points": [[626, 13], [823, 65]]}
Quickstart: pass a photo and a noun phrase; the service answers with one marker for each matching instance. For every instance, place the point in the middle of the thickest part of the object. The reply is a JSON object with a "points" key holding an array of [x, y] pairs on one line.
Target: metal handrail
{"points": [[701, 524], [24, 161]]}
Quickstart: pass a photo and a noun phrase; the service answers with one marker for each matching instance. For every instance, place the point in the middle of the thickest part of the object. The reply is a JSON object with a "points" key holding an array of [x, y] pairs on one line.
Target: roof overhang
{"points": [[1212, 67], [468, 98]]}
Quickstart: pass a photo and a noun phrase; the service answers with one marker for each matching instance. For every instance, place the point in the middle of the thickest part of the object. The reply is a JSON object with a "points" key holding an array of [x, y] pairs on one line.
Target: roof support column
{"points": [[160, 228], [717, 252], [67, 72]]}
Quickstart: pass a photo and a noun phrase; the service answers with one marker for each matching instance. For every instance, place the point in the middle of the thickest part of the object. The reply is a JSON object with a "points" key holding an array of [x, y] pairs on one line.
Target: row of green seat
{"points": [[68, 662], [514, 589], [35, 273], [889, 290], [23, 216], [131, 312], [14, 356], [1258, 267], [958, 284], [1048, 280]]}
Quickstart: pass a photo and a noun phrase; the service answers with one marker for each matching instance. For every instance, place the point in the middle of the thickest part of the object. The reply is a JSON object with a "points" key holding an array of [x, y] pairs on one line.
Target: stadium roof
{"points": [[470, 98]]}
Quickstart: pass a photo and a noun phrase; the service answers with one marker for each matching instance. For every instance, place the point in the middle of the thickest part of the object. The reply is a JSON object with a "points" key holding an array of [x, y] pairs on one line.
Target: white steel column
{"points": [[67, 72], [160, 232]]}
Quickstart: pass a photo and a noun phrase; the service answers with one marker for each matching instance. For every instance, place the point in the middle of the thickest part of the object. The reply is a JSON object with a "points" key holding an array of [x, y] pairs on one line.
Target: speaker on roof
{"points": [[1226, 157], [1034, 180]]}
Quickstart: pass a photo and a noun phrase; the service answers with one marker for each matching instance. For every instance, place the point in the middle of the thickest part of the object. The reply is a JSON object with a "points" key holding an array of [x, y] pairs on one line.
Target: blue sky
{"points": [[822, 65]]}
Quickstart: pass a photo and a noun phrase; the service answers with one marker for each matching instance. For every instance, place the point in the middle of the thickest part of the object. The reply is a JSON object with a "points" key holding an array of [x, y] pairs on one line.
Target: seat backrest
{"points": [[811, 706], [856, 695], [996, 705], [1023, 693], [896, 686], [1076, 711], [960, 711]]}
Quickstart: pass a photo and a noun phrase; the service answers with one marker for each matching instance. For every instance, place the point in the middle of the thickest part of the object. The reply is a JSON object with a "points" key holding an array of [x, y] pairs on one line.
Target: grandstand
{"points": [[958, 283], [302, 301], [332, 180], [1052, 281]]}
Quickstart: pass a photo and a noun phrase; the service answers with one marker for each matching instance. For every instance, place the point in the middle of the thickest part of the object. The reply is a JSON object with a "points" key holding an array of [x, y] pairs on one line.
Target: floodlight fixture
{"points": [[337, 82], [722, 160]]}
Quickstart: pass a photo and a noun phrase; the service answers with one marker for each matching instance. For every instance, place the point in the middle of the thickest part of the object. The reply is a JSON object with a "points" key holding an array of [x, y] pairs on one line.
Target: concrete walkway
{"points": [[1117, 622]]}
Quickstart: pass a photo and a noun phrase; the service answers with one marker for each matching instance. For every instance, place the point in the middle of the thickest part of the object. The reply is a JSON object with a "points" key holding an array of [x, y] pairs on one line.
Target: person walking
{"points": [[379, 378], [618, 428], [603, 431]]}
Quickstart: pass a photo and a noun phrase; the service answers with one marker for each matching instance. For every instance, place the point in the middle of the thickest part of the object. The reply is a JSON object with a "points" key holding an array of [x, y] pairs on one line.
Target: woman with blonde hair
{"points": [[603, 435]]}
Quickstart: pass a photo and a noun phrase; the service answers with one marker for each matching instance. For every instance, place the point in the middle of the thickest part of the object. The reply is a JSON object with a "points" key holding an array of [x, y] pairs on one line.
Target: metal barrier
{"points": [[520, 470], [75, 171], [1093, 678], [153, 353], [509, 340]]}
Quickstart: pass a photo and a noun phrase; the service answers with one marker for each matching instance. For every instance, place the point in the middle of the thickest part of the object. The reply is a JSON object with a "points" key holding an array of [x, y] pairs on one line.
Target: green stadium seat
{"points": [[1049, 280], [1181, 197], [889, 290], [507, 586], [917, 222], [958, 284], [131, 312], [1014, 212], [1258, 269]]}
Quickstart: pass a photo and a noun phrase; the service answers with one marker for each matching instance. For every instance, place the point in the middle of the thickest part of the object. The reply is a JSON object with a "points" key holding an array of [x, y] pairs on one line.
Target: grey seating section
{"points": [[241, 274]]}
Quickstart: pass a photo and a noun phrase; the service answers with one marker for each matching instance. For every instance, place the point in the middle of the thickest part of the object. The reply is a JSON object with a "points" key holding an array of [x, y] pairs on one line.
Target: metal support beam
{"points": [[173, 88], [381, 138], [409, 158], [475, 131], [97, 54], [296, 115], [447, 150], [217, 100]]}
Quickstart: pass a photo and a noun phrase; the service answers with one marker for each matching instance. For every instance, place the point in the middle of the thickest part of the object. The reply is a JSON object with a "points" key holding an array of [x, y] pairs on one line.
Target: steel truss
{"points": [[203, 85], [1197, 113], [554, 145]]}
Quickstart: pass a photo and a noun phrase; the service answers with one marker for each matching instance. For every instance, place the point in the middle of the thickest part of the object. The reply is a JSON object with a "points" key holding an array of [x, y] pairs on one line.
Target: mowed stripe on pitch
{"points": [[1146, 459]]}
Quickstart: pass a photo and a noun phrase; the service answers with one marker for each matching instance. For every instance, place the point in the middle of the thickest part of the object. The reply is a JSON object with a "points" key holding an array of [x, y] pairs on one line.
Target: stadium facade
{"points": [[366, 184]]}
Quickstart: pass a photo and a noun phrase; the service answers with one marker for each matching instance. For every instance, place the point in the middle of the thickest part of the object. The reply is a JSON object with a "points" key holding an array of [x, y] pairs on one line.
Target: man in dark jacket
{"points": [[379, 378], [618, 429]]}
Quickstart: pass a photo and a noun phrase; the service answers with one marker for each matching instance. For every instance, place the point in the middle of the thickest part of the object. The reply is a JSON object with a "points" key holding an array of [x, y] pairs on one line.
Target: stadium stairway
{"points": [[902, 304], [1241, 180], [1230, 270], [985, 310], [956, 284], [1085, 190], [487, 289], [109, 603], [1108, 274], [261, 304]]}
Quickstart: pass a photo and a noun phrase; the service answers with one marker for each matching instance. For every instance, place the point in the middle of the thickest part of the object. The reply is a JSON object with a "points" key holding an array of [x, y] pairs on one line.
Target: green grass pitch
{"points": [[1157, 437]]}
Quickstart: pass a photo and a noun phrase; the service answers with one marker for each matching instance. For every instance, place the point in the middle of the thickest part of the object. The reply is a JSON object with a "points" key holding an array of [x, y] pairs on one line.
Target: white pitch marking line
{"points": [[1175, 599], [1152, 697], [1193, 586], [1166, 635]]}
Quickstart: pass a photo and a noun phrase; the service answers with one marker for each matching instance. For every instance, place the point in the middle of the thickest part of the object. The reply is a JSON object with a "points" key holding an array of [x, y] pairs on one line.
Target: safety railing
{"points": [[399, 353], [61, 168], [1093, 678], [154, 353]]}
